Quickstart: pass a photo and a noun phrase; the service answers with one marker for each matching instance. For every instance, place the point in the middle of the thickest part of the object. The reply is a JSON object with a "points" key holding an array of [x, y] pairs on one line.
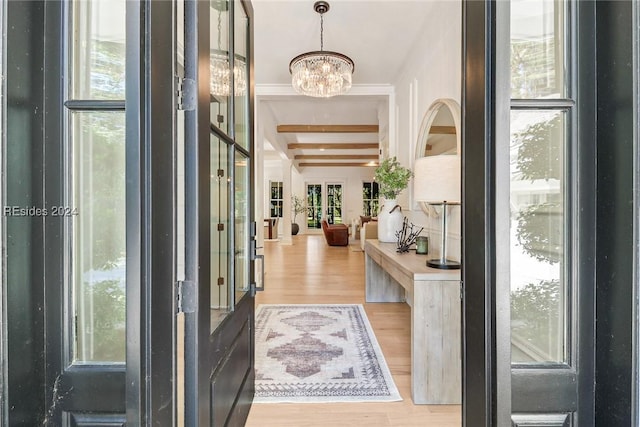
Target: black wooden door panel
{"points": [[97, 420], [233, 374]]}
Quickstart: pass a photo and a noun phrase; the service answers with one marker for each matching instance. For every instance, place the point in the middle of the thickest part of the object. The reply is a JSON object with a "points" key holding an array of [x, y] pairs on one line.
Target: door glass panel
{"points": [[314, 206], [537, 49], [275, 203], [334, 203], [370, 202], [240, 76], [220, 80], [241, 214], [98, 49], [97, 213], [538, 228], [220, 280]]}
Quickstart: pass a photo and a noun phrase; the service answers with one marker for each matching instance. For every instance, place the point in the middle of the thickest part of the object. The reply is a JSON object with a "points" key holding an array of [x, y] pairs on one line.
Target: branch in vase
{"points": [[407, 235]]}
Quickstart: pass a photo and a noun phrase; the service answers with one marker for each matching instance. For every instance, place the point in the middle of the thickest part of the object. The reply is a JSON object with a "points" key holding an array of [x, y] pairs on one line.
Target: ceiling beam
{"points": [[328, 128], [337, 164], [321, 146], [445, 130], [336, 157]]}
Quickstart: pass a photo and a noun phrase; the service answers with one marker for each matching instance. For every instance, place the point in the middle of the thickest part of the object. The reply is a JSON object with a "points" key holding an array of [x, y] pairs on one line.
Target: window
{"points": [[370, 202], [541, 116], [275, 202], [95, 208]]}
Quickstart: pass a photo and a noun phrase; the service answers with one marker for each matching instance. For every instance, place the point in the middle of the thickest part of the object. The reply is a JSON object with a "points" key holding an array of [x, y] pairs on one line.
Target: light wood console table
{"points": [[434, 297]]}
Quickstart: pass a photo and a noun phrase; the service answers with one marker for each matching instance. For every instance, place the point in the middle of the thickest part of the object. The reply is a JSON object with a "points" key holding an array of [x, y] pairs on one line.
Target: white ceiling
{"points": [[378, 35]]}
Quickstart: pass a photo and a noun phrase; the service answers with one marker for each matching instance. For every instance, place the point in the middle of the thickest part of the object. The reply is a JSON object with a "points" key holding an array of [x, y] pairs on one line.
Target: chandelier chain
{"points": [[219, 30], [322, 31]]}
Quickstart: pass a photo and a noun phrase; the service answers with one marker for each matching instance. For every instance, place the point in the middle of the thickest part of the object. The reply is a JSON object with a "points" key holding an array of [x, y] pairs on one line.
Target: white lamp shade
{"points": [[437, 179]]}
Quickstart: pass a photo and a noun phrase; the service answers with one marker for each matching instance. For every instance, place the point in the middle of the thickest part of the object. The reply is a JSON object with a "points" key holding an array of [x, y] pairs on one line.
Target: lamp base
{"points": [[447, 265]]}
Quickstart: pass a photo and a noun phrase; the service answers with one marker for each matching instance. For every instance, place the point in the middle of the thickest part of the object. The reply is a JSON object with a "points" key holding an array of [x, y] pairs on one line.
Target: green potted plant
{"points": [[297, 207], [392, 178]]}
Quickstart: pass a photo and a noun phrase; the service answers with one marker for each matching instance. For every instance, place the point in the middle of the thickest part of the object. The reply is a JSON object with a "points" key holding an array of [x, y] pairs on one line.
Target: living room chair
{"points": [[335, 234]]}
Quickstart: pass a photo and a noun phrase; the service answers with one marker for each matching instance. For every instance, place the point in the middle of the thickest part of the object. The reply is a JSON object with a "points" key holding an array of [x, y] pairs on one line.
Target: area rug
{"points": [[319, 353]]}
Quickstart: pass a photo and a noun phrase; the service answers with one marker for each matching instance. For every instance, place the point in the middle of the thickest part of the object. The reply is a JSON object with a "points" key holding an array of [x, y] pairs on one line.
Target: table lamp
{"points": [[437, 183]]}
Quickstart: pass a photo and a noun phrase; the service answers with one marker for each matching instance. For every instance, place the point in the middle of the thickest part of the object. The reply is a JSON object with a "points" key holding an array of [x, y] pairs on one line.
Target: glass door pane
{"points": [[334, 203], [220, 79], [220, 280], [98, 254], [370, 201], [276, 199], [538, 227], [241, 215], [538, 49], [314, 206], [98, 49], [240, 73]]}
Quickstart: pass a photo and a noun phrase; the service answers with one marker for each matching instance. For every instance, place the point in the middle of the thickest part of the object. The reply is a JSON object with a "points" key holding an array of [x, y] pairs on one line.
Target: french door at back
{"points": [[324, 201]]}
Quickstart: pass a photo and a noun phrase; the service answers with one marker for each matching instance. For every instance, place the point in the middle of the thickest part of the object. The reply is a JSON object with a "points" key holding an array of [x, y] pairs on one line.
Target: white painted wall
{"points": [[432, 71]]}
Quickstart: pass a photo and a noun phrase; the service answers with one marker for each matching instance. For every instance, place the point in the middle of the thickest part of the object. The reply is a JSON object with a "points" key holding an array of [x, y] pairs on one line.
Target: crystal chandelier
{"points": [[321, 73], [220, 80], [220, 84]]}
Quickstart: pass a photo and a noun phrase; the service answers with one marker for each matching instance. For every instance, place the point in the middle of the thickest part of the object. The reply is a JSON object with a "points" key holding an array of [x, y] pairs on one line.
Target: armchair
{"points": [[335, 234]]}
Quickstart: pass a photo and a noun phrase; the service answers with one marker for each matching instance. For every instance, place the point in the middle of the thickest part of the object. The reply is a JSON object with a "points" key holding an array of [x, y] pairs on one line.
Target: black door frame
{"points": [[151, 200], [197, 233], [480, 370], [617, 136], [23, 321]]}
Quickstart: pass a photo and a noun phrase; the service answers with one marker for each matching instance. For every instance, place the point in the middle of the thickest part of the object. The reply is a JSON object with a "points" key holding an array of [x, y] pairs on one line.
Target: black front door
{"points": [[218, 288]]}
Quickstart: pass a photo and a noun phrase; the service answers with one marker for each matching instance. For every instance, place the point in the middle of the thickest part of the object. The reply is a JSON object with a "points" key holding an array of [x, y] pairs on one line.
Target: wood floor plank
{"points": [[311, 272]]}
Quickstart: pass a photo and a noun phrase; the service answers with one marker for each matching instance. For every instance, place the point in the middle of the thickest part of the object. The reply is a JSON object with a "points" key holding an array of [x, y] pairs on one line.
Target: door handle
{"points": [[255, 256], [261, 258]]}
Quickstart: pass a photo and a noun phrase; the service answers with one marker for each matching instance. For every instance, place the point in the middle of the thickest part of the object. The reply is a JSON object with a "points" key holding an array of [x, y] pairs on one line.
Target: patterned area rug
{"points": [[319, 353]]}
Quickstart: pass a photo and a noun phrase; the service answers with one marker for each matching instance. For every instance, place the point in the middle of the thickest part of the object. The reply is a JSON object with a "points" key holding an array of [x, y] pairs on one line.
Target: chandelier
{"points": [[220, 80], [220, 83], [321, 73]]}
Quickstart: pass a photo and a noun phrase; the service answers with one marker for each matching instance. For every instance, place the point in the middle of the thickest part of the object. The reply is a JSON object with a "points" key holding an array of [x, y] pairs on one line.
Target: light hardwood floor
{"points": [[309, 272]]}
